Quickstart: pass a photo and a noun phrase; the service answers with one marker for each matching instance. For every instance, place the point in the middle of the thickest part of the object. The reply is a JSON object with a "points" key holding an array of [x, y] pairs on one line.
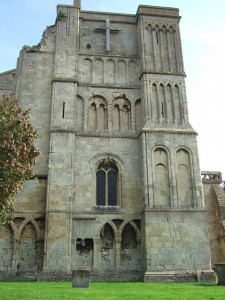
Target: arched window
{"points": [[107, 184]]}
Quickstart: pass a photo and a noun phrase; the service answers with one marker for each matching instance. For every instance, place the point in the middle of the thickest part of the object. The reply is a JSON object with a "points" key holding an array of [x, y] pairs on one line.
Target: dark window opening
{"points": [[112, 187], [157, 37], [101, 175], [84, 245], [107, 184], [162, 106], [63, 111]]}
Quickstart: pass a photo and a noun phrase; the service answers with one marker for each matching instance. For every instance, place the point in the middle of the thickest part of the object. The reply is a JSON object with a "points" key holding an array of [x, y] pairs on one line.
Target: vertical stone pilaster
{"points": [[145, 195], [184, 104], [161, 50], [16, 243], [59, 203], [58, 242], [96, 258], [174, 200], [179, 51], [118, 253], [73, 253], [146, 99], [60, 198]]}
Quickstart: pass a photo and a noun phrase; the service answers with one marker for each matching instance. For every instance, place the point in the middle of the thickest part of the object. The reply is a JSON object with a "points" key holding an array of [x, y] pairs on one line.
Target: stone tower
{"points": [[118, 181]]}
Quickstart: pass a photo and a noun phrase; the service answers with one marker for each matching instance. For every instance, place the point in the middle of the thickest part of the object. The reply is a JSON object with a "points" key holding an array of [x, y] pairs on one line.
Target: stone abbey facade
{"points": [[117, 189]]}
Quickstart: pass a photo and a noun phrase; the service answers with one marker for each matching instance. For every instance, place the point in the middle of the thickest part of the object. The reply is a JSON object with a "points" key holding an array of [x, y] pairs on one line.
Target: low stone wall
{"points": [[59, 276], [201, 276]]}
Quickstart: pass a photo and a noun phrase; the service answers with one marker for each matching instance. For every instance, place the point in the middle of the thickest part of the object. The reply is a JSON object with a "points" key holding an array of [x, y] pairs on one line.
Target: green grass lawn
{"points": [[109, 291]]}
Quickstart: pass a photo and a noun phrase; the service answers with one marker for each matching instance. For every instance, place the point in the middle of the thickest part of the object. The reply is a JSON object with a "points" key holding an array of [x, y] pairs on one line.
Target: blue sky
{"points": [[203, 41]]}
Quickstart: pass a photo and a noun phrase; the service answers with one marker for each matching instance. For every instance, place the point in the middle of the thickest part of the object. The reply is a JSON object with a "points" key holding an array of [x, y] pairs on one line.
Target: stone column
{"points": [[96, 254], [118, 253], [146, 96], [161, 49], [145, 190], [168, 47], [73, 254], [174, 202], [15, 257], [132, 118], [39, 253]]}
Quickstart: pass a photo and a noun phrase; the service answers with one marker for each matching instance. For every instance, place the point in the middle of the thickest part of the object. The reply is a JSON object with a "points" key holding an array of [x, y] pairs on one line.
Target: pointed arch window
{"points": [[107, 184]]}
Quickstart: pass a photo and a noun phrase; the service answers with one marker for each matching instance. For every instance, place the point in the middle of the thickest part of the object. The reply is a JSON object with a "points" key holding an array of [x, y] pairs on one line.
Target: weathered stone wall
{"points": [[125, 153], [173, 156], [6, 248], [214, 195], [22, 243], [109, 241], [62, 141], [34, 90], [176, 241], [32, 197], [7, 82], [123, 34], [118, 178]]}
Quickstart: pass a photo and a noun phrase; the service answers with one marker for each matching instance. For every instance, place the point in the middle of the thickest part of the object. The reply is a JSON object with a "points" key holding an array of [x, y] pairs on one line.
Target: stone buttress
{"points": [[175, 237], [61, 154]]}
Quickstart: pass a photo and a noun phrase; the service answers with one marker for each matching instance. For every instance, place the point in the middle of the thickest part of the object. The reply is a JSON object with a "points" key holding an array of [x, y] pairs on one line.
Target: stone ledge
{"points": [[108, 209], [201, 276], [170, 131], [173, 209], [68, 80]]}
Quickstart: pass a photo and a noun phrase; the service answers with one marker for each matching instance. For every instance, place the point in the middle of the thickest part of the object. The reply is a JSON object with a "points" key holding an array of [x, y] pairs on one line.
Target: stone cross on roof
{"points": [[108, 30]]}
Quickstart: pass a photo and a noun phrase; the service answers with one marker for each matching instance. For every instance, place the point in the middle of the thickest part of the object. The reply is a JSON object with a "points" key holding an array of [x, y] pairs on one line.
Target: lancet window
{"points": [[107, 184]]}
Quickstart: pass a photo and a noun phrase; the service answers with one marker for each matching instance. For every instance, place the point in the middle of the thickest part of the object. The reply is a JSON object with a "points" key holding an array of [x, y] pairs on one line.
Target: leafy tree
{"points": [[17, 153]]}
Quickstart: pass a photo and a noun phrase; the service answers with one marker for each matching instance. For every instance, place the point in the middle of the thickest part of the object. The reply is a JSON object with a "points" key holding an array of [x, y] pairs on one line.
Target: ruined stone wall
{"points": [[213, 196], [22, 244], [22, 241], [7, 82], [109, 242], [34, 90]]}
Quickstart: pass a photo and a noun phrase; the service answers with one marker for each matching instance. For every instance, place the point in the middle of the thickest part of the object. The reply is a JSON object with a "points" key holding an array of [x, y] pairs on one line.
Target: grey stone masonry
{"points": [[117, 190]]}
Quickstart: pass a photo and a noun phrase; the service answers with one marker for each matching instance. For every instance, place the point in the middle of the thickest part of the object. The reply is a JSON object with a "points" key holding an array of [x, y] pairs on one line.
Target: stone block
{"points": [[80, 278], [220, 270], [207, 276]]}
